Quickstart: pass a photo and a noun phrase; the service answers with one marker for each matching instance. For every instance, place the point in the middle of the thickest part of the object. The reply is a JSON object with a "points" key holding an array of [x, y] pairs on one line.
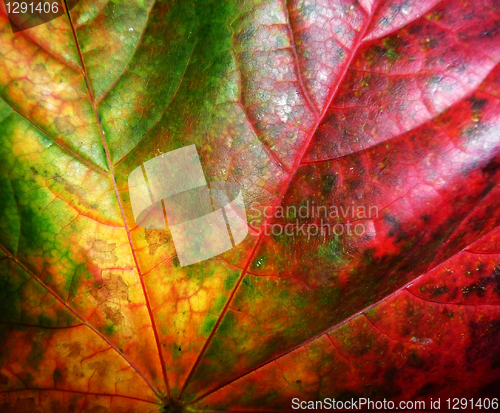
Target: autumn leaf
{"points": [[388, 107]]}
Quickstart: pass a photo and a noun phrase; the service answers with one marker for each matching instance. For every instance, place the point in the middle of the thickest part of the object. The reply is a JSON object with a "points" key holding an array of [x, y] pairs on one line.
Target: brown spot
{"points": [[96, 365], [70, 187], [3, 379], [80, 193], [113, 286], [114, 315], [99, 368], [155, 238], [103, 253], [117, 287], [64, 126], [74, 349]]}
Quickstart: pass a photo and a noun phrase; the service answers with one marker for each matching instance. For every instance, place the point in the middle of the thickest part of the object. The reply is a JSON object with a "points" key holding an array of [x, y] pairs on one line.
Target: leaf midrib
{"points": [[115, 187]]}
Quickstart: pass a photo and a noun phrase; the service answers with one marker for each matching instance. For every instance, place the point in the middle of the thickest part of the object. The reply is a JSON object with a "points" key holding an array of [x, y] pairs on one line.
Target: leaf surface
{"points": [[391, 105]]}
